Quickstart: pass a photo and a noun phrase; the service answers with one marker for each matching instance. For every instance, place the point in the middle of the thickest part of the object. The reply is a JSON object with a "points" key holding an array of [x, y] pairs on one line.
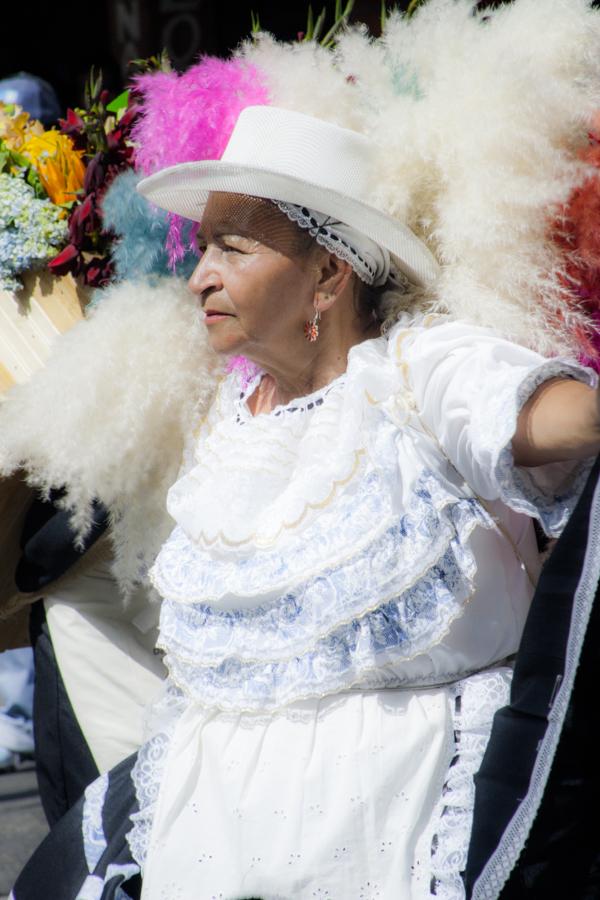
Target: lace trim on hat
{"points": [[326, 235]]}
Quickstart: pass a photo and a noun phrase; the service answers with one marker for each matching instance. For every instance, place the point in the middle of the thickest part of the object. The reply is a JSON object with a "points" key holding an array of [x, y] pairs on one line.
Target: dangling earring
{"points": [[311, 327]]}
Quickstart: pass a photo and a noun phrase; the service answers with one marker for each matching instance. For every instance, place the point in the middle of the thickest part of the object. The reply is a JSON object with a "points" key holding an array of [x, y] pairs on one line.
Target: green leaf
{"points": [[341, 18], [164, 63], [95, 84], [254, 18], [119, 103], [412, 7], [33, 180], [310, 24], [318, 28], [10, 159]]}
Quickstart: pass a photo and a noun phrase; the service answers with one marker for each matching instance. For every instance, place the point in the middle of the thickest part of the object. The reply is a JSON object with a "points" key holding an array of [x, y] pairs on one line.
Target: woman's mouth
{"points": [[216, 315]]}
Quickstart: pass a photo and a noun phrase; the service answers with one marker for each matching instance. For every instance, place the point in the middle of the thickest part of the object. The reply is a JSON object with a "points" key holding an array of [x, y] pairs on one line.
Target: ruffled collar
{"points": [[257, 480]]}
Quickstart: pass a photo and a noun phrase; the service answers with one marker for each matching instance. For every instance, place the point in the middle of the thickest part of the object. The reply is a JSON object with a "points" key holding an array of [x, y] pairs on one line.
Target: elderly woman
{"points": [[353, 557]]}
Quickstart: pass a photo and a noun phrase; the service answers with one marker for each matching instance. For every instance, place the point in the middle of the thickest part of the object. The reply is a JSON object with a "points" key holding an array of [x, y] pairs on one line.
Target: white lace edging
{"points": [[187, 573], [523, 489], [387, 574], [475, 701], [355, 656], [390, 603], [147, 774], [94, 840], [273, 458]]}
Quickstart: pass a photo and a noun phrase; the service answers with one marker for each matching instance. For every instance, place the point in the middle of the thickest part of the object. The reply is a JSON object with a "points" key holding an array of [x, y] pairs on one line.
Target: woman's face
{"points": [[255, 280]]}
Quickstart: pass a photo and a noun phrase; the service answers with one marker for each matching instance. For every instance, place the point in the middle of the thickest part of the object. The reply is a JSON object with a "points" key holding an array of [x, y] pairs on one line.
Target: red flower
{"points": [[95, 174], [74, 126], [83, 220], [98, 272], [68, 260]]}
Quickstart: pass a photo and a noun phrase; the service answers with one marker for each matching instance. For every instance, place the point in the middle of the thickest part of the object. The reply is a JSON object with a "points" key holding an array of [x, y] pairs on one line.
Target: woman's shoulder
{"points": [[426, 345], [441, 329]]}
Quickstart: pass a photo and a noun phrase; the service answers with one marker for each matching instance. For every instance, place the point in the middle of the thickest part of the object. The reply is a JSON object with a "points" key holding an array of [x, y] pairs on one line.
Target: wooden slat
{"points": [[30, 322]]}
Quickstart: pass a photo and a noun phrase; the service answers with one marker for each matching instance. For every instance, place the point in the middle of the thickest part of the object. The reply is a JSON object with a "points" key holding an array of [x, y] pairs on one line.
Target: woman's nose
{"points": [[206, 275]]}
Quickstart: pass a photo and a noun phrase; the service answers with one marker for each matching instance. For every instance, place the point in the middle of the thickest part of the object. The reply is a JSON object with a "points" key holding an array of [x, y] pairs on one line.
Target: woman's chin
{"points": [[223, 338]]}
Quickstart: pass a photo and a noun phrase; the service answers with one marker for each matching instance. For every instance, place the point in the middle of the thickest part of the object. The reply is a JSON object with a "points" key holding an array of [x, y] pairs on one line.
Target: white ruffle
{"points": [[324, 545], [423, 559], [475, 700], [545, 493], [148, 771], [260, 478]]}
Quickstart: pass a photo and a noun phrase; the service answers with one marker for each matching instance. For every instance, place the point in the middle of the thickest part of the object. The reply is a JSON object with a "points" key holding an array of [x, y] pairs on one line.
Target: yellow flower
{"points": [[16, 125], [58, 164]]}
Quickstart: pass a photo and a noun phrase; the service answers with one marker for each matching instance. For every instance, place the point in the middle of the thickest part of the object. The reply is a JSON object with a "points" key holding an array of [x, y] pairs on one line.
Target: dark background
{"points": [[60, 40]]}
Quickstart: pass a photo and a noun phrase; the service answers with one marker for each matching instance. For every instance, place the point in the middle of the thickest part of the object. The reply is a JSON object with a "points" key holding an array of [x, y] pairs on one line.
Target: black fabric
{"points": [[64, 763], [561, 856], [58, 868], [48, 543]]}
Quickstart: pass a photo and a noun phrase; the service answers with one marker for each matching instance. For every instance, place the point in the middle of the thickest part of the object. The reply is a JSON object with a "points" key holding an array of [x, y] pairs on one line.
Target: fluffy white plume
{"points": [[479, 149], [301, 77], [107, 417]]}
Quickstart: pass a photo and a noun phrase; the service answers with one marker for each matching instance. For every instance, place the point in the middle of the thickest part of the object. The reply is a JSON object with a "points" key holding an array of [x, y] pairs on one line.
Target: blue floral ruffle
{"points": [[392, 601]]}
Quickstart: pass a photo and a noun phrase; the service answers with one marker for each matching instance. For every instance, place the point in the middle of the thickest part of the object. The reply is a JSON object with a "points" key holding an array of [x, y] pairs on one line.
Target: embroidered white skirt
{"points": [[359, 796]]}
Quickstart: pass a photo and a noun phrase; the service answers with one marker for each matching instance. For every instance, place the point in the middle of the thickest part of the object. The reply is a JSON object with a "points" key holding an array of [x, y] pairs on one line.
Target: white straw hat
{"points": [[282, 155]]}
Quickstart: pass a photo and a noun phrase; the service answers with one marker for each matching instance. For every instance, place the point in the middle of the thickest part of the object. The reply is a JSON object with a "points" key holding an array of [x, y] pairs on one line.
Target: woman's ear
{"points": [[334, 276]]}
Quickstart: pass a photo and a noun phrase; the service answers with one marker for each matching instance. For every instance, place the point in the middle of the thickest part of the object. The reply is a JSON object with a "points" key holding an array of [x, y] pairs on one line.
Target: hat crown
{"points": [[294, 158], [301, 146]]}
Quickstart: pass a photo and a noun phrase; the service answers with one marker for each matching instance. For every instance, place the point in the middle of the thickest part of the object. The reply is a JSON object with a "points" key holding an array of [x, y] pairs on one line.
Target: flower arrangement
{"points": [[54, 181], [41, 173], [101, 133], [31, 230]]}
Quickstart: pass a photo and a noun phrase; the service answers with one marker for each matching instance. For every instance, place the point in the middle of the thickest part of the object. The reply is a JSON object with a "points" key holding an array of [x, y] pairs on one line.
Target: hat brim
{"points": [[184, 189]]}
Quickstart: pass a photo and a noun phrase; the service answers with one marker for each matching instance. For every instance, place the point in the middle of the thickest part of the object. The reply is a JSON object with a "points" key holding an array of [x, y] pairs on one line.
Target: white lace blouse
{"points": [[346, 579]]}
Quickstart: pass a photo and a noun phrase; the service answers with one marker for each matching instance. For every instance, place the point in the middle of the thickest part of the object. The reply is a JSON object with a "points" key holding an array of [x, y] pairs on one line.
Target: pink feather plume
{"points": [[190, 116]]}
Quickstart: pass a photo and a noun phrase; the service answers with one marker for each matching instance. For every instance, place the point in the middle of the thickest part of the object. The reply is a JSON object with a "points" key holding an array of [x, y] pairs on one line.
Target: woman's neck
{"points": [[287, 379]]}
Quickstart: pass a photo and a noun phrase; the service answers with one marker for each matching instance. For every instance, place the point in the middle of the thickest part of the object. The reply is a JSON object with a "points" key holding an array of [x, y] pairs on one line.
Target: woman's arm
{"points": [[560, 421]]}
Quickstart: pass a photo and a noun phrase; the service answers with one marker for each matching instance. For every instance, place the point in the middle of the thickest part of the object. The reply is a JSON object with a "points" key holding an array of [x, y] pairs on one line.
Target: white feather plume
{"points": [[302, 77], [108, 415], [479, 149]]}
